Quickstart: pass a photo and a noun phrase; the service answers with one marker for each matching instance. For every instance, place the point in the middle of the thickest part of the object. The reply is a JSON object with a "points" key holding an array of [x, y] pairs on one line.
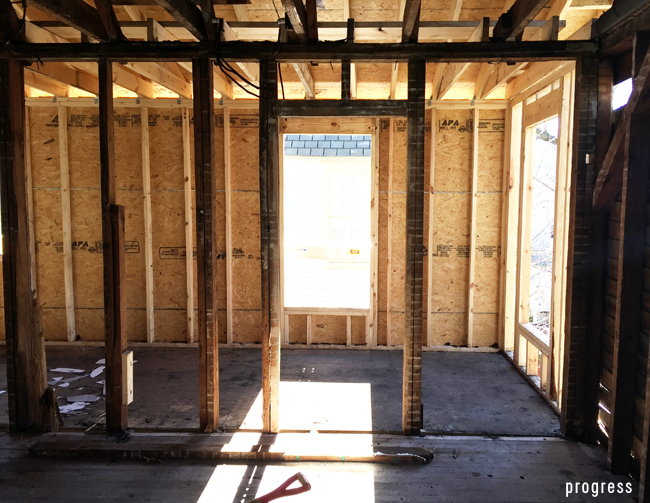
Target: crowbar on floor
{"points": [[284, 490]]}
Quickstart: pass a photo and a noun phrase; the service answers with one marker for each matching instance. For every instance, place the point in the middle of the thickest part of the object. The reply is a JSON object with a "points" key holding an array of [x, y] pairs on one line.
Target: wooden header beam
{"points": [[473, 52], [334, 108]]}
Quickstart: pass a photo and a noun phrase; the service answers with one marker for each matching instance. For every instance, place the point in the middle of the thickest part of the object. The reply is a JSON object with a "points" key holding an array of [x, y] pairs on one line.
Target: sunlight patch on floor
{"points": [[242, 483], [323, 406]]}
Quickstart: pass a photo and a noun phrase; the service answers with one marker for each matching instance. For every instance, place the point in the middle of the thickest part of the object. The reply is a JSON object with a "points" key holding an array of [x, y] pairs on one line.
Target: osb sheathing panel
{"points": [[166, 149], [485, 329], [329, 329], [298, 329], [44, 134], [358, 328], [453, 161], [247, 325], [449, 329], [373, 80], [168, 217]]}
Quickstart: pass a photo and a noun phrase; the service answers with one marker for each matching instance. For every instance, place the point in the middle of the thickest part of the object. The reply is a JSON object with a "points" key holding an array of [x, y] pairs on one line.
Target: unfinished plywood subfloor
{"points": [[324, 390], [464, 469]]}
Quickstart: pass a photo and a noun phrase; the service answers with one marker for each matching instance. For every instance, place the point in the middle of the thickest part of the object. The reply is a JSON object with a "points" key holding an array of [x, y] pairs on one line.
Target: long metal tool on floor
{"points": [[284, 490]]}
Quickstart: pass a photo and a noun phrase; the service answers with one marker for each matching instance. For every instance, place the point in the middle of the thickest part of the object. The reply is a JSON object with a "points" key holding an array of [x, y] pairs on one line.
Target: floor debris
{"points": [[73, 407], [82, 398], [97, 371], [64, 370]]}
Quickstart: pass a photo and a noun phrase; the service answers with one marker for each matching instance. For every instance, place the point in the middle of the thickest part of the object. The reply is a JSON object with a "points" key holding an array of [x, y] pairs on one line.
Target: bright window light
{"points": [[621, 94], [327, 245]]}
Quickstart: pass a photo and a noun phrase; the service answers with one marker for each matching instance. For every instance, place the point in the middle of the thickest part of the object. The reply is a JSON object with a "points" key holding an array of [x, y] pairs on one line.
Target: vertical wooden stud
{"points": [[26, 369], [189, 238], [389, 238], [348, 331], [432, 173], [371, 319], [472, 238], [148, 227], [228, 174], [270, 246], [113, 252], [509, 237], [30, 202], [308, 329], [66, 223], [204, 163]]}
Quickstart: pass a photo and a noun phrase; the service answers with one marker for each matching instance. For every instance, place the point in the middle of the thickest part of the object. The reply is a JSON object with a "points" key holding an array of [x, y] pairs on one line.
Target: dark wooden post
{"points": [[26, 369], [270, 245], [412, 378], [598, 243], [206, 264], [114, 276], [579, 308], [634, 209]]}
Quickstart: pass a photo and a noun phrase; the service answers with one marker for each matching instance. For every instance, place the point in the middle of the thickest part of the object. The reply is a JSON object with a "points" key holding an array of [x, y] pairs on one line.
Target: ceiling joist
{"points": [[411, 21], [511, 24], [297, 14], [75, 13], [121, 76], [109, 19], [9, 22], [187, 14], [67, 76]]}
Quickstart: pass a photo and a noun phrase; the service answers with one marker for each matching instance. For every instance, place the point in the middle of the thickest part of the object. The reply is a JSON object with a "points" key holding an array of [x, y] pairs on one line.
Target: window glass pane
{"points": [[542, 223], [326, 211]]}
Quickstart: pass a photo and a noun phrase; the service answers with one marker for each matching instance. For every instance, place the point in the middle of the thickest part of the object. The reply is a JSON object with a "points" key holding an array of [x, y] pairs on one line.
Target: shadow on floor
{"points": [[325, 390]]}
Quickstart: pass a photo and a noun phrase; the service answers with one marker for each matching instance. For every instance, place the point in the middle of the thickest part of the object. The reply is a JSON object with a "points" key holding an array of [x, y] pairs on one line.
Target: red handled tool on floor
{"points": [[284, 490]]}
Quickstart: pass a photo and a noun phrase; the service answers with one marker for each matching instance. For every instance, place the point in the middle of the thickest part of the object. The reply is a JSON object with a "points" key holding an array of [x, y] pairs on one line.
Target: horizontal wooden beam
{"points": [[336, 108], [475, 52], [75, 13], [260, 31]]}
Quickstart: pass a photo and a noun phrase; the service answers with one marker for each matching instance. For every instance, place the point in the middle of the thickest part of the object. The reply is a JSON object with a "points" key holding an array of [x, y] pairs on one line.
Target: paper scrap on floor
{"points": [[101, 361], [64, 370], [96, 372], [67, 409], [82, 398]]}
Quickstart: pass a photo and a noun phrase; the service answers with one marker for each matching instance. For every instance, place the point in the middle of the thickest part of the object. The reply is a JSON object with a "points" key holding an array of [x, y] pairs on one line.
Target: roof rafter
{"points": [[9, 22], [454, 71], [75, 13], [121, 76], [297, 14], [411, 21], [109, 19], [511, 24], [188, 14], [67, 75]]}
